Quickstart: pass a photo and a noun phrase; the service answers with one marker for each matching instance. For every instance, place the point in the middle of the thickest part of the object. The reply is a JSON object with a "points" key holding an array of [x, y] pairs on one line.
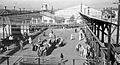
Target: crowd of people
{"points": [[83, 48], [46, 46]]}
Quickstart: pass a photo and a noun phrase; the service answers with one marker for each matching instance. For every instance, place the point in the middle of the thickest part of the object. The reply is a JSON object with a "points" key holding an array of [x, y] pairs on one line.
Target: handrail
{"points": [[17, 61], [94, 18]]}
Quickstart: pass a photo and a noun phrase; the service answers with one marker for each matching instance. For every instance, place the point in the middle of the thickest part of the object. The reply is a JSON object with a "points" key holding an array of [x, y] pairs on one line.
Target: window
{"points": [[50, 21]]}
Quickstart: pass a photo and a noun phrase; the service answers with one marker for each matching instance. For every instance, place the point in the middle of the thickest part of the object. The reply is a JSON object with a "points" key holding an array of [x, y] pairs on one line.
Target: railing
{"points": [[58, 61]]}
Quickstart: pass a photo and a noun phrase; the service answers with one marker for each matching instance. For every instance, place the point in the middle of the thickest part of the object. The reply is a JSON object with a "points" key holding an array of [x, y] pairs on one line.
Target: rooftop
{"points": [[57, 18]]}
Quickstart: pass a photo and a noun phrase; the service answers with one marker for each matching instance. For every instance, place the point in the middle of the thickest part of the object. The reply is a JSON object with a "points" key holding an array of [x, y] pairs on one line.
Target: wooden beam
{"points": [[95, 28], [103, 29], [101, 44], [98, 31], [109, 44]]}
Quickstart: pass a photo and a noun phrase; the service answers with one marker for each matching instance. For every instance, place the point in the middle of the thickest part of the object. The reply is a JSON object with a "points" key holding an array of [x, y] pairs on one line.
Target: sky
{"points": [[57, 4]]}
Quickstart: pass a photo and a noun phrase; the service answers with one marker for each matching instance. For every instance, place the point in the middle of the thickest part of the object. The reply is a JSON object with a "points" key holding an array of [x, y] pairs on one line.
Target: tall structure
{"points": [[44, 7], [52, 10]]}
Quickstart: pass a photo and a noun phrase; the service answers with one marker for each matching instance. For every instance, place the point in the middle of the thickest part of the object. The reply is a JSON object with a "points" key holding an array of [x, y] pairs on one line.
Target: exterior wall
{"points": [[44, 7], [66, 21], [35, 21], [6, 30], [46, 19], [106, 14], [24, 29]]}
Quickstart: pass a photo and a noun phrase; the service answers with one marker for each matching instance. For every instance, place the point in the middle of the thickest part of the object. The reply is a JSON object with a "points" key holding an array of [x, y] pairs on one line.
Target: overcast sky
{"points": [[36, 4]]}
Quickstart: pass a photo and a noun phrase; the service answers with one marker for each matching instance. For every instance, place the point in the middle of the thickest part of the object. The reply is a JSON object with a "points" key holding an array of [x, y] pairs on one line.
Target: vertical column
{"points": [[98, 32], [109, 44], [118, 22], [81, 7], [97, 49], [103, 33], [73, 61], [92, 22], [38, 53], [95, 28], [88, 10], [7, 60]]}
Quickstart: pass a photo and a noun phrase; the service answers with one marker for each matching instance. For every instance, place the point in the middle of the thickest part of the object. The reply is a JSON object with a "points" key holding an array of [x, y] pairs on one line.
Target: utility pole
{"points": [[88, 10], [111, 14], [81, 7], [118, 22]]}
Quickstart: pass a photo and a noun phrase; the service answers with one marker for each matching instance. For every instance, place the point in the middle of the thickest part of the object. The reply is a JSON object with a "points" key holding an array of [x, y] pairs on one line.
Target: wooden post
{"points": [[95, 28], [3, 31], [118, 22], [38, 52], [92, 22], [103, 33], [88, 10], [7, 60], [39, 61], [98, 32], [73, 61], [81, 7], [109, 44], [111, 15]]}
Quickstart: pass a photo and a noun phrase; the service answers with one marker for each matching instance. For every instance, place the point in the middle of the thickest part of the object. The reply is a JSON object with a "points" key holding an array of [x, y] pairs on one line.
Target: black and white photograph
{"points": [[59, 32]]}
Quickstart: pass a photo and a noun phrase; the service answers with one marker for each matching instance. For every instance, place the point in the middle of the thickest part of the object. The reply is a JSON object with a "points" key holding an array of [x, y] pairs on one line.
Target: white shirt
{"points": [[50, 35], [30, 40], [10, 38]]}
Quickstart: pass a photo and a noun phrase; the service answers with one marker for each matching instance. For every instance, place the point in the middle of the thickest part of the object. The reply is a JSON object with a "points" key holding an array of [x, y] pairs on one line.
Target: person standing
{"points": [[51, 34], [80, 35], [21, 44], [30, 40], [72, 37], [75, 30], [61, 56], [44, 34]]}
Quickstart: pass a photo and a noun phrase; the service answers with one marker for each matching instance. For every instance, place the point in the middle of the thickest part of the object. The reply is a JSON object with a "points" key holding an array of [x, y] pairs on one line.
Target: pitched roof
{"points": [[20, 18], [57, 18], [4, 11]]}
